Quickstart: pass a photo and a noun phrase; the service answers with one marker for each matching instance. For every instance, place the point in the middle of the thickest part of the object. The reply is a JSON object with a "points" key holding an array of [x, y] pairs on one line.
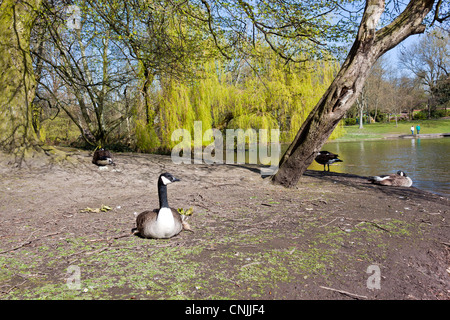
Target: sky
{"points": [[392, 56]]}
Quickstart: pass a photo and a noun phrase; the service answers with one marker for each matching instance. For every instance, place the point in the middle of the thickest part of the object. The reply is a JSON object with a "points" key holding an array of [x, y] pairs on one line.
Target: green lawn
{"points": [[381, 130]]}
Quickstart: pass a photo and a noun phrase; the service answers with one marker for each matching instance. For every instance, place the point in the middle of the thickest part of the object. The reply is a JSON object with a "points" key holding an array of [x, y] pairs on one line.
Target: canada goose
{"points": [[400, 179], [327, 158], [102, 157], [165, 222]]}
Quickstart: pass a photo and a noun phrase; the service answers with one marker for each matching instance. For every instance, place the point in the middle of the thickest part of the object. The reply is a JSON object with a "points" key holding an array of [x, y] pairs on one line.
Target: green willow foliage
{"points": [[138, 70], [261, 94]]}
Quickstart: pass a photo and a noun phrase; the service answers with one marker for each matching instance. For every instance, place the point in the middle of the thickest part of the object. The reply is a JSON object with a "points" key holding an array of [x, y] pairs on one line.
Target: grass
{"points": [[166, 272], [184, 272], [381, 130]]}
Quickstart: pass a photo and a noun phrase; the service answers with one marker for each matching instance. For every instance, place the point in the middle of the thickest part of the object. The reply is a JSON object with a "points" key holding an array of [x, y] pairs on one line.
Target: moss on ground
{"points": [[237, 267]]}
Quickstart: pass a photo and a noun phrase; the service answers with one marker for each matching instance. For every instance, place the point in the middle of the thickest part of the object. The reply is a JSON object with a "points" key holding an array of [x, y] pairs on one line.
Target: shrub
{"points": [[349, 121], [146, 138], [380, 117], [421, 115], [440, 113]]}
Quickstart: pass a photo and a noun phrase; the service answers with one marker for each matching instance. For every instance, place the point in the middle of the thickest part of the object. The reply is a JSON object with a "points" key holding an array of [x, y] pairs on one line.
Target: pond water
{"points": [[426, 161]]}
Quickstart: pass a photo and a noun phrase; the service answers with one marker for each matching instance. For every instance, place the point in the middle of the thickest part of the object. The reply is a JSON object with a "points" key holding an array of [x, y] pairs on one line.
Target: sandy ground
{"points": [[335, 236]]}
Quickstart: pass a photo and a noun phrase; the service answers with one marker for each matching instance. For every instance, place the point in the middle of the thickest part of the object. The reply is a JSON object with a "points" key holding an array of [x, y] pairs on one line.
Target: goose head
{"points": [[166, 178], [163, 180], [401, 173]]}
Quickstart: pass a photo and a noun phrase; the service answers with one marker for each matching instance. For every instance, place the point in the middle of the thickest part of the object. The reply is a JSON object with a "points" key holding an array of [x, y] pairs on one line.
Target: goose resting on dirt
{"points": [[165, 222], [102, 157], [400, 179]]}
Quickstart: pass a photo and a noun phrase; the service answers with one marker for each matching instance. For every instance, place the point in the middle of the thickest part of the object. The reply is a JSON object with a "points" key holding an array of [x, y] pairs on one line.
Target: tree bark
{"points": [[17, 87], [369, 45], [148, 79], [361, 103], [17, 81]]}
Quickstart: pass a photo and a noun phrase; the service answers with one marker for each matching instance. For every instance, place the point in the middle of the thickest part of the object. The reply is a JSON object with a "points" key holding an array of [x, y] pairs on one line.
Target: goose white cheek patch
{"points": [[165, 180]]}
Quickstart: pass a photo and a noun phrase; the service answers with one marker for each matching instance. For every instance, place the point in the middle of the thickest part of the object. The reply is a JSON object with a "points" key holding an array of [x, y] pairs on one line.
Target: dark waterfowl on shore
{"points": [[326, 158], [102, 157]]}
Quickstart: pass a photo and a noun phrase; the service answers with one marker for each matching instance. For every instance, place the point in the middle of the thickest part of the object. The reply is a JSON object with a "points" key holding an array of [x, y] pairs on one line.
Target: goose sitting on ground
{"points": [[165, 222], [400, 179], [102, 157], [327, 158]]}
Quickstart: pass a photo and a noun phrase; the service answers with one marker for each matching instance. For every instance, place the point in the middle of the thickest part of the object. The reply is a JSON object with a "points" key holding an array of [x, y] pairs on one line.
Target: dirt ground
{"points": [[332, 237]]}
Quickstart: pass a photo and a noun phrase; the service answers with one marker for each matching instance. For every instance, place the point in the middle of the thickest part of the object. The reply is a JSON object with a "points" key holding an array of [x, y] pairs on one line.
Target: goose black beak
{"points": [[175, 179]]}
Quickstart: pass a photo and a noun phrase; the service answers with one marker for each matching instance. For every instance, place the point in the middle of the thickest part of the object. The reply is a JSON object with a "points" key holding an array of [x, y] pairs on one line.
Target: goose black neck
{"points": [[162, 194]]}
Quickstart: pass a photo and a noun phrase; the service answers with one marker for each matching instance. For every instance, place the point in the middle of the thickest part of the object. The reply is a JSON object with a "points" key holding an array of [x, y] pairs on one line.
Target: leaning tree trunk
{"points": [[344, 90]]}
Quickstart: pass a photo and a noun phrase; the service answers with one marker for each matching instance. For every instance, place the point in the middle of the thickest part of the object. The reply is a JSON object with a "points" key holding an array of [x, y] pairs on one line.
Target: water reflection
{"points": [[426, 161]]}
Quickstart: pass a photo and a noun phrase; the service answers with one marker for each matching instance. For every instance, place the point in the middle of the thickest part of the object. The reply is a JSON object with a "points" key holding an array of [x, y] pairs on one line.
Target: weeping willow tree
{"points": [[164, 43], [176, 69], [275, 96], [246, 94]]}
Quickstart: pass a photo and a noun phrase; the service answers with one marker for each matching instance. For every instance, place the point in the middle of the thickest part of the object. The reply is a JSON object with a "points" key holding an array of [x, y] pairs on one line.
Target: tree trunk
{"points": [[361, 115], [344, 90], [17, 81], [17, 86], [148, 79], [361, 103]]}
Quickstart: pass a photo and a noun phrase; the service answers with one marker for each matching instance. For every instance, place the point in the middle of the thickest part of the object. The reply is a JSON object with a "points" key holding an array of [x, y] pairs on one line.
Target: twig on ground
{"points": [[324, 225], [29, 242], [13, 287], [376, 225], [353, 295], [111, 238]]}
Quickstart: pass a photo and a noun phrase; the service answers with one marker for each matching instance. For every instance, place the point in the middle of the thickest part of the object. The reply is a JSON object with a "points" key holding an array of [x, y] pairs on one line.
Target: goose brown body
{"points": [[164, 222], [400, 179], [148, 227], [102, 157]]}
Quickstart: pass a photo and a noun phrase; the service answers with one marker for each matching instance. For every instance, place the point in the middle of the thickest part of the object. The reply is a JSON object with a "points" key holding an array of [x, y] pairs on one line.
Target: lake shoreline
{"points": [[395, 136], [416, 156], [381, 130]]}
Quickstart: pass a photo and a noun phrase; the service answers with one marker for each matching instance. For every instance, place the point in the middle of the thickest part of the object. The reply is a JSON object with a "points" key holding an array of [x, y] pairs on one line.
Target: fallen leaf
{"points": [[103, 208], [184, 212]]}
